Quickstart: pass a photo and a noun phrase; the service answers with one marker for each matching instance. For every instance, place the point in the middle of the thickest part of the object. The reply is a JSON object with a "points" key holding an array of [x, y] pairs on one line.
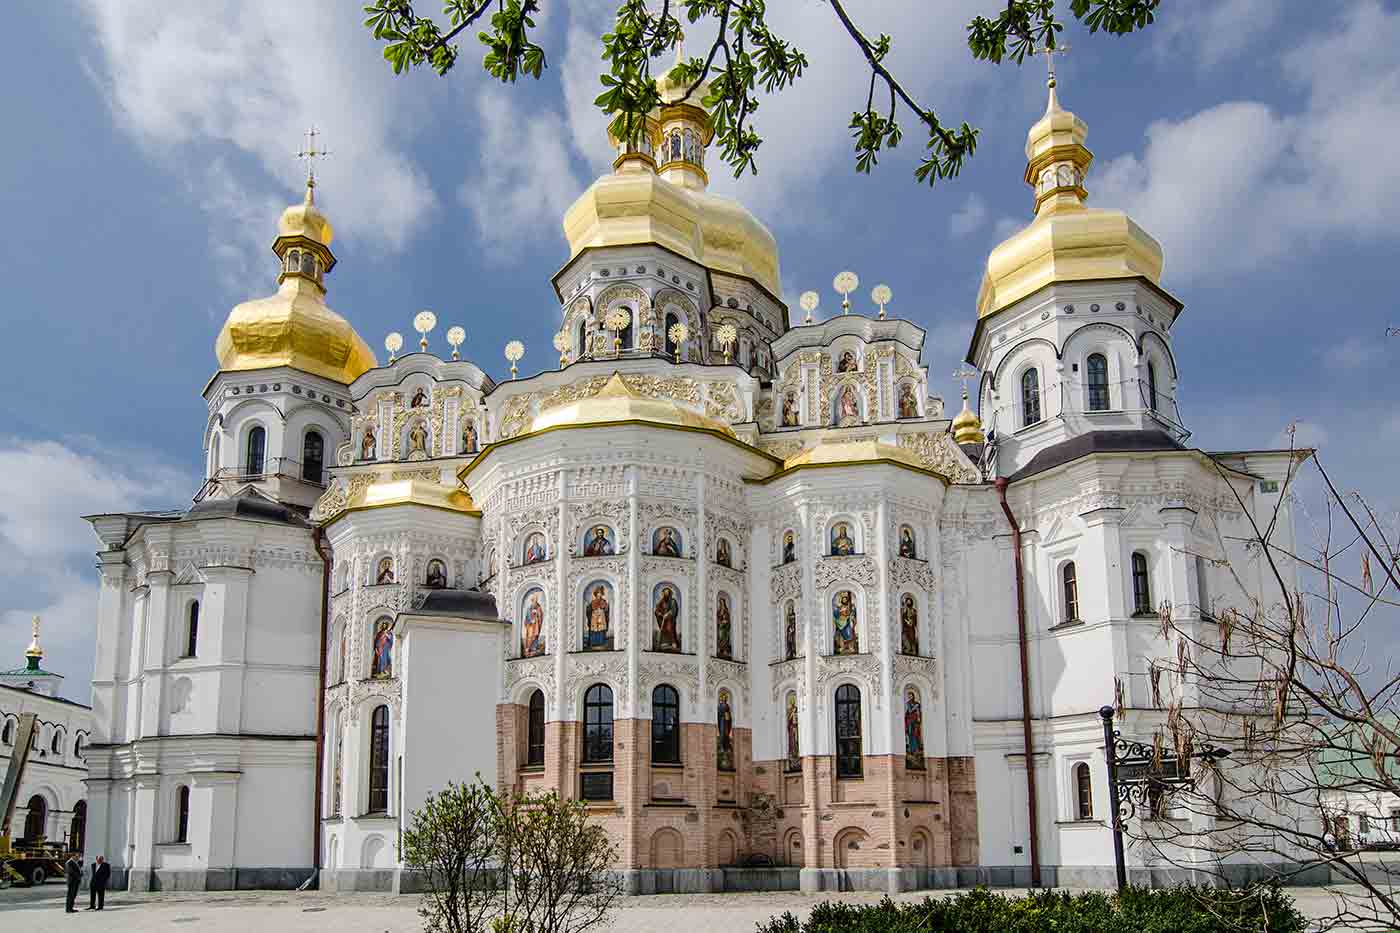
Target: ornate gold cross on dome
{"points": [[964, 373], [1050, 54], [311, 153]]}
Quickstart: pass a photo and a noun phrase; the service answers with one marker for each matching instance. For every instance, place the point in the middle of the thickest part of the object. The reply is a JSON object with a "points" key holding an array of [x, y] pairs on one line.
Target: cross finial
{"points": [[964, 373], [34, 650], [311, 153], [1050, 52]]}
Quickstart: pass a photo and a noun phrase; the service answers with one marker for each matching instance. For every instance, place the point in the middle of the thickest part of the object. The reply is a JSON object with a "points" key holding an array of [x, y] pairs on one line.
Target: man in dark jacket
{"points": [[73, 874], [97, 887]]}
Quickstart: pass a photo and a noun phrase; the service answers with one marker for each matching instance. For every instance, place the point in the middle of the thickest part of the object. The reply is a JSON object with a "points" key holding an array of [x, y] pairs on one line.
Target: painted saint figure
{"points": [[913, 732], [597, 633], [847, 408], [724, 628], [790, 632], [532, 632], [724, 736], [420, 398], [665, 543], [417, 439], [908, 625], [535, 549], [843, 621], [842, 544], [668, 618], [367, 445], [794, 756], [789, 547], [908, 405], [600, 545], [906, 543], [386, 571], [789, 410], [382, 660], [468, 438], [437, 574], [722, 556], [847, 364]]}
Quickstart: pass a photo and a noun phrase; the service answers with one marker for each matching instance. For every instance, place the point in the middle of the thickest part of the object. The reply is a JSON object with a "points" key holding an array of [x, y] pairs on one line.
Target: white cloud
{"points": [[1211, 31], [970, 217], [1241, 185], [249, 76], [1353, 353]]}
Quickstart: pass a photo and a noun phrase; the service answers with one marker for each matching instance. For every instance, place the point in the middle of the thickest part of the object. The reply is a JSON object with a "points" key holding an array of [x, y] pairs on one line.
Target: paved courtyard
{"points": [[41, 910]]}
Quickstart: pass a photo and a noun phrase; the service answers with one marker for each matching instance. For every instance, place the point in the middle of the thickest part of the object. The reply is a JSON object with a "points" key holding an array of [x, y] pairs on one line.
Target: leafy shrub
{"points": [[1184, 909]]}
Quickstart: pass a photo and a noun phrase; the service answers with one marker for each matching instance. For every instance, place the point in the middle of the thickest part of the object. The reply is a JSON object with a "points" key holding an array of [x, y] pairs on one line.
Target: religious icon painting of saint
{"points": [[532, 624], [908, 404], [908, 625], [724, 628], [417, 439], [597, 616], [666, 542], [468, 437], [420, 398], [907, 547], [535, 548], [367, 445], [381, 664], [913, 732], [599, 542], [794, 754], [789, 410], [848, 363], [385, 574], [789, 547], [722, 555], [842, 544], [843, 623], [790, 631], [437, 575], [724, 736], [667, 610]]}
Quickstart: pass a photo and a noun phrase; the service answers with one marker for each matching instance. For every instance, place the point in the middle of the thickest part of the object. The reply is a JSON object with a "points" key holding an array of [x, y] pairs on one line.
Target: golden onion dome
{"points": [[1067, 240], [835, 453], [384, 492], [618, 402], [967, 427], [294, 327]]}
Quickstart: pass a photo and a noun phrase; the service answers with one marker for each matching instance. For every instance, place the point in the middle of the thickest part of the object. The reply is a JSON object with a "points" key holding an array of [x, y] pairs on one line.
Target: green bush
{"points": [[1138, 910]]}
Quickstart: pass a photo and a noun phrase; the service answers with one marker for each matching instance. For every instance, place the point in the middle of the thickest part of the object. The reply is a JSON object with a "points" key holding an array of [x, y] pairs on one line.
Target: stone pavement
{"points": [[41, 911]]}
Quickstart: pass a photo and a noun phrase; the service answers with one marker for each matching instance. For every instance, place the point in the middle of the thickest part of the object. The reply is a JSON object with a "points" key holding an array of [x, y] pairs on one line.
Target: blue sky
{"points": [[151, 149]]}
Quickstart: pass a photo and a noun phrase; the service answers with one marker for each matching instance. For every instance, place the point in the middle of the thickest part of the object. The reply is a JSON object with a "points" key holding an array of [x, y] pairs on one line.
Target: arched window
{"points": [[534, 754], [672, 348], [1071, 585], [192, 630], [7, 734], [182, 813], [627, 333], [56, 741], [598, 724], [78, 744], [379, 760], [1097, 367], [1151, 386], [580, 331], [257, 451], [36, 819], [1083, 792], [1030, 397], [665, 726], [1142, 587], [313, 457], [77, 830], [849, 758]]}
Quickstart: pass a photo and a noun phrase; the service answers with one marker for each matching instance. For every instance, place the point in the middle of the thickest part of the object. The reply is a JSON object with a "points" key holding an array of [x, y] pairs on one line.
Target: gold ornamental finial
{"points": [[311, 153], [1050, 51], [967, 427], [34, 650]]}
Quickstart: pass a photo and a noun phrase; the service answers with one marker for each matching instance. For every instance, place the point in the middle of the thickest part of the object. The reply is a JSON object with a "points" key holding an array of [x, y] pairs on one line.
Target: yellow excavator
{"points": [[36, 861]]}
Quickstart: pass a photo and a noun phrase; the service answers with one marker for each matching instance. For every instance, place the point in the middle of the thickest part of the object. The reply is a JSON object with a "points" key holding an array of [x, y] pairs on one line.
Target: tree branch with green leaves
{"points": [[744, 58]]}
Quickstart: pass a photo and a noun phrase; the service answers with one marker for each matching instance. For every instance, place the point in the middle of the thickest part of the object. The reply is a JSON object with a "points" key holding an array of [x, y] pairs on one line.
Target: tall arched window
{"points": [[1083, 792], [1030, 397], [182, 813], [257, 451], [379, 760], [672, 348], [849, 755], [7, 733], [36, 819], [598, 724], [1097, 367], [77, 829], [192, 630], [627, 334], [580, 335], [665, 726], [1151, 386], [534, 754], [1142, 586], [313, 457], [1071, 586]]}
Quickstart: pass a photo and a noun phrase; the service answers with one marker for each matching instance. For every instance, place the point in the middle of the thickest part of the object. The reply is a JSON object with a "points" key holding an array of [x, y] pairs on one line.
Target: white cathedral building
{"points": [[734, 579]]}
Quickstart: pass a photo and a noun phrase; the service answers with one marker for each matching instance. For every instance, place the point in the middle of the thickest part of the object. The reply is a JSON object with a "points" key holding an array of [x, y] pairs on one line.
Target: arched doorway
{"points": [[36, 819], [77, 831]]}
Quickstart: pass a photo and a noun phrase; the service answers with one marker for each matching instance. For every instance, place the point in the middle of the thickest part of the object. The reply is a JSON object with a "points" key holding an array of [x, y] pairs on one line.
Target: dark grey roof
{"points": [[63, 700], [246, 506], [1097, 442], [460, 604]]}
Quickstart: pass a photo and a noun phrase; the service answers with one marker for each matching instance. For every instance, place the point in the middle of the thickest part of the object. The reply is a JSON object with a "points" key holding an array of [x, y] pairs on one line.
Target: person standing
{"points": [[73, 874], [97, 887]]}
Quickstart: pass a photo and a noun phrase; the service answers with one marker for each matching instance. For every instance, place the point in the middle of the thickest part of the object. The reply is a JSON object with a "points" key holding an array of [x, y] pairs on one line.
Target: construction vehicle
{"points": [[37, 860]]}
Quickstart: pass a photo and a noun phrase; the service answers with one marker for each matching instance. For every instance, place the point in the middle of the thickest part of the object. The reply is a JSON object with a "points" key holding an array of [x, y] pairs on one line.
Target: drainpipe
{"points": [[1032, 805], [318, 537]]}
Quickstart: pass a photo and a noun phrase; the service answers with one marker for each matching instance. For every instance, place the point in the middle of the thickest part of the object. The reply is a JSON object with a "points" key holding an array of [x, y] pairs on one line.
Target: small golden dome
{"points": [[835, 453], [616, 402], [384, 492], [1067, 241], [294, 327], [967, 427]]}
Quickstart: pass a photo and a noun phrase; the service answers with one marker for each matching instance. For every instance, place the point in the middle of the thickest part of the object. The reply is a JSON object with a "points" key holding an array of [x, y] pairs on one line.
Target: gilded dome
{"points": [[967, 427], [1067, 241], [617, 402], [294, 327], [835, 453]]}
